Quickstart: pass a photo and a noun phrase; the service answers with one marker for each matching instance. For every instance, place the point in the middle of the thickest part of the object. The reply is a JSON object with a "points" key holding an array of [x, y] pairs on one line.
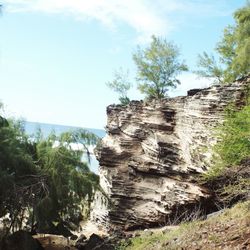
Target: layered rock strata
{"points": [[153, 151]]}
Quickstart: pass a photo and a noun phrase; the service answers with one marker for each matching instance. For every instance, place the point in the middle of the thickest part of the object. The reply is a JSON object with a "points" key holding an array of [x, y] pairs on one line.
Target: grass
{"points": [[229, 229], [228, 177]]}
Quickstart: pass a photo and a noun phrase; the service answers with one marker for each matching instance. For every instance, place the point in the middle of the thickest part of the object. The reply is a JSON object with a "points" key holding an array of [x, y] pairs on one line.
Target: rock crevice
{"points": [[153, 151]]}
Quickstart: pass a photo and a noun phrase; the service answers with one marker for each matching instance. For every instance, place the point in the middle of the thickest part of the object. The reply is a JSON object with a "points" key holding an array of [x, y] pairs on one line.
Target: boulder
{"points": [[20, 240], [95, 242]]}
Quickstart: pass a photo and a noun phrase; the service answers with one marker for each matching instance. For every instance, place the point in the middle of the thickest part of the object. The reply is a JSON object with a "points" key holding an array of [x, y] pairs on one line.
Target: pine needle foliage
{"points": [[233, 139], [233, 51], [45, 177], [70, 181], [158, 66]]}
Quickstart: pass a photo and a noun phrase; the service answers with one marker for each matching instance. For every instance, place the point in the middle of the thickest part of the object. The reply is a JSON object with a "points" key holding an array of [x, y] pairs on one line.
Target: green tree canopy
{"points": [[158, 66], [69, 179], [209, 68], [45, 177], [17, 171], [233, 50]]}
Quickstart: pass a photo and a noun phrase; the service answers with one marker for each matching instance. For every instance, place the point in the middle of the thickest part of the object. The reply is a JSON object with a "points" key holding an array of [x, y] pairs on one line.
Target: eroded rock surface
{"points": [[153, 151]]}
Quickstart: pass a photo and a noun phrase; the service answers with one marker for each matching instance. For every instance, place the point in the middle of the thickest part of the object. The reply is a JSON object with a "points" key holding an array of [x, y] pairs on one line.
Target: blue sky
{"points": [[57, 55]]}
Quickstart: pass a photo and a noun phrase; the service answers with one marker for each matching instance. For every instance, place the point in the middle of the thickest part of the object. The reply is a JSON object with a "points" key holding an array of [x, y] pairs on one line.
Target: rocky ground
{"points": [[228, 230], [55, 242], [93, 242]]}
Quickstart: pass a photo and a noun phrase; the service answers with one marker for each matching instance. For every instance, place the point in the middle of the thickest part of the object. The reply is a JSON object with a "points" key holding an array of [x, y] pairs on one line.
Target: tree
{"points": [[69, 180], [121, 85], [17, 173], [233, 50], [209, 68], [157, 67], [235, 45], [43, 180]]}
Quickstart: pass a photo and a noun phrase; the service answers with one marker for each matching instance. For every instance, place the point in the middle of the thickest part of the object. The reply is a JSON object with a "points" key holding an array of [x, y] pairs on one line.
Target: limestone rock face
{"points": [[153, 151]]}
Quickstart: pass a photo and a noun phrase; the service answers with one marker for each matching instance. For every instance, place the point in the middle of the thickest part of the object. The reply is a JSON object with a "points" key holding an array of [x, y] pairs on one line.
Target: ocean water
{"points": [[32, 127]]}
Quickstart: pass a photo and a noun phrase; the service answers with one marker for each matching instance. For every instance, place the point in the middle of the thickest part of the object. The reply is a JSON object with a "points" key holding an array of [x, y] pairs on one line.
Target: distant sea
{"points": [[32, 127]]}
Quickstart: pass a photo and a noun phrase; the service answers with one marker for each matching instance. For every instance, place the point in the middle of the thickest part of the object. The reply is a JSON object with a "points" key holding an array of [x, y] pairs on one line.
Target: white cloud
{"points": [[146, 17], [142, 16]]}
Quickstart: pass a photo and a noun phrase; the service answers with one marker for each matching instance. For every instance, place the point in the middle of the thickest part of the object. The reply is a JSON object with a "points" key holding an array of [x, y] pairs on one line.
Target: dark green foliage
{"points": [[158, 67], [14, 160], [124, 100], [45, 177], [17, 172], [69, 178]]}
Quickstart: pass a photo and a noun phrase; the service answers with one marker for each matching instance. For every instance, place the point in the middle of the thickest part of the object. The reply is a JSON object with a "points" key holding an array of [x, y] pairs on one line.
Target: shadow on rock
{"points": [[95, 242], [20, 240]]}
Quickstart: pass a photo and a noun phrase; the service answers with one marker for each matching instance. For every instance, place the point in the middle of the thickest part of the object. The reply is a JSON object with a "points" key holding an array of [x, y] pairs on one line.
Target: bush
{"points": [[234, 141], [228, 177]]}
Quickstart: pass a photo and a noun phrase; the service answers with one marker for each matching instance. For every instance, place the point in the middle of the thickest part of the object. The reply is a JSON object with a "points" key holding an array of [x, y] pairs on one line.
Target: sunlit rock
{"points": [[153, 152]]}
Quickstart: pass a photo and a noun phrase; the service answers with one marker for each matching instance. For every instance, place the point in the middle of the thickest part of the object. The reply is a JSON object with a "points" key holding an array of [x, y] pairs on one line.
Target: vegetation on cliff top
{"points": [[233, 51], [121, 85], [45, 183], [158, 66], [229, 176]]}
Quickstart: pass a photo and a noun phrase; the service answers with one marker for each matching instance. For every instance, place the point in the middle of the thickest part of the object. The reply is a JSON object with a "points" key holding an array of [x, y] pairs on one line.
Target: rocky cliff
{"points": [[154, 150]]}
